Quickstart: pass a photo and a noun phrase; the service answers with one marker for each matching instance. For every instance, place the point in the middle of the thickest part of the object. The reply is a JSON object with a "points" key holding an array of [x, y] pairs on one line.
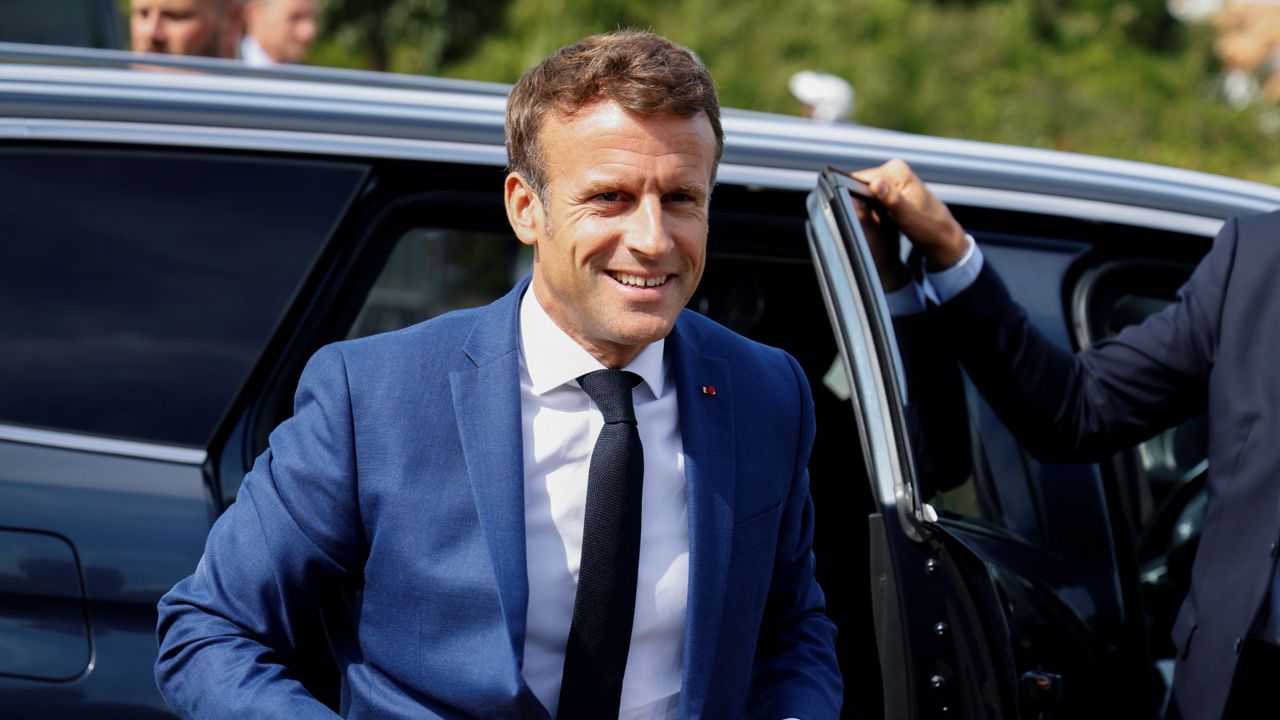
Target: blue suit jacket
{"points": [[397, 487], [1214, 350]]}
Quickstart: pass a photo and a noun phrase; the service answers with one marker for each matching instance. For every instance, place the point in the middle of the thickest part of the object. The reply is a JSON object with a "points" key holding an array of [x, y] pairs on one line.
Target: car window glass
{"points": [[87, 23], [431, 271], [945, 420], [968, 462], [138, 289]]}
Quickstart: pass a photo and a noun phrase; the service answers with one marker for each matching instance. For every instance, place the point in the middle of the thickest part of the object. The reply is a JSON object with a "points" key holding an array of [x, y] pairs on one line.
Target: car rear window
{"points": [[138, 289], [88, 23]]}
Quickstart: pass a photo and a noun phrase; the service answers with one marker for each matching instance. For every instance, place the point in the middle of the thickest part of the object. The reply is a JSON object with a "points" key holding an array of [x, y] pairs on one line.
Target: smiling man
{"points": [[582, 501], [620, 228]]}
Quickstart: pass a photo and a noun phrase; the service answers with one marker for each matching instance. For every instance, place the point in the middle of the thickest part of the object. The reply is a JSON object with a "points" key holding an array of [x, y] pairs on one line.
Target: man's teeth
{"points": [[637, 281]]}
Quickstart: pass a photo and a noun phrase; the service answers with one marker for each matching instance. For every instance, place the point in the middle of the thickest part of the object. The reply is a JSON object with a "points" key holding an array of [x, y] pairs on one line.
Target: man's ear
{"points": [[524, 209], [234, 27]]}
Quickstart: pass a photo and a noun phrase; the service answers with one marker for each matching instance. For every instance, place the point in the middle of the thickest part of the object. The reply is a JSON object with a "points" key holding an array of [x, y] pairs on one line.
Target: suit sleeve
{"points": [[796, 672], [234, 634], [1066, 407]]}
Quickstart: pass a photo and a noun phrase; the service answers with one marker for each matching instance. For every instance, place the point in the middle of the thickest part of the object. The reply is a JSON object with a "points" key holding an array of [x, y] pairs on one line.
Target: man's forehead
{"points": [[202, 6], [293, 7], [604, 102], [564, 139], [607, 116]]}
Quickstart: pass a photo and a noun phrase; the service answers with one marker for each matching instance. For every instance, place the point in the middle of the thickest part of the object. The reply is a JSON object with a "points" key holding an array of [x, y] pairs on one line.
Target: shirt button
{"points": [[1239, 643]]}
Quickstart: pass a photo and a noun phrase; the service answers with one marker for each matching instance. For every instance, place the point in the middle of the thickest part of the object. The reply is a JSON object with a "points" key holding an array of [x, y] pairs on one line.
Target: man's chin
{"points": [[644, 331]]}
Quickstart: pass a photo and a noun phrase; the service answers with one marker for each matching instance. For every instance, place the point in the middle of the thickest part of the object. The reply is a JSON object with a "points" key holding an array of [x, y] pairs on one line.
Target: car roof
{"points": [[96, 95]]}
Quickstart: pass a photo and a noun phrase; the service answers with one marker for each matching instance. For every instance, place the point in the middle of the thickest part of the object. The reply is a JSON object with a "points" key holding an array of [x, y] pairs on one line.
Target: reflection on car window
{"points": [[138, 289], [948, 461], [432, 271]]}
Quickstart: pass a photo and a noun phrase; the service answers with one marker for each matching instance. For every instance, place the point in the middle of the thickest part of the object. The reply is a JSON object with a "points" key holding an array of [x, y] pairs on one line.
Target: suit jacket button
{"points": [[1239, 643], [1273, 548]]}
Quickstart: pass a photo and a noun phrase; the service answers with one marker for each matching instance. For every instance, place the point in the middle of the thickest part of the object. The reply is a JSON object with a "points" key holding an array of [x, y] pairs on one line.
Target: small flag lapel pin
{"points": [[708, 389]]}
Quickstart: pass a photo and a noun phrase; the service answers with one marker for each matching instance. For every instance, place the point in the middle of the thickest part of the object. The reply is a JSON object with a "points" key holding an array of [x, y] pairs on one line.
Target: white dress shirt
{"points": [[560, 425], [252, 54]]}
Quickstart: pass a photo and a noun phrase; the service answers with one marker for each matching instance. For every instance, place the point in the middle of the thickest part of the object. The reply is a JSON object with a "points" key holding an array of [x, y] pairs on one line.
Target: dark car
{"points": [[175, 245]]}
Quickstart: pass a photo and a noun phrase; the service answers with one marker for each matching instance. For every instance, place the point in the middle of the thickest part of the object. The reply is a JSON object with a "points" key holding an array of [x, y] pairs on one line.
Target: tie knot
{"points": [[610, 390]]}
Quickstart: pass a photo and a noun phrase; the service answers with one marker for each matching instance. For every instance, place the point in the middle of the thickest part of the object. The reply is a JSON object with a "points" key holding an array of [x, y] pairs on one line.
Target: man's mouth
{"points": [[637, 281]]}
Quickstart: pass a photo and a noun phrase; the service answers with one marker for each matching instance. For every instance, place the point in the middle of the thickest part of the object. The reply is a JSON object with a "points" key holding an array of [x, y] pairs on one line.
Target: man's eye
{"points": [[609, 197]]}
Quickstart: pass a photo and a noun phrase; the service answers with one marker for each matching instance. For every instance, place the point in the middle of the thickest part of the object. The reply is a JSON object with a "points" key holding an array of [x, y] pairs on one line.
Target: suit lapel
{"points": [[707, 433], [487, 398]]}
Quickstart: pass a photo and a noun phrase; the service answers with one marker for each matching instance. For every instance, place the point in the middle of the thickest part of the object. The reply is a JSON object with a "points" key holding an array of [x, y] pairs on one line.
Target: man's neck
{"points": [[553, 357]]}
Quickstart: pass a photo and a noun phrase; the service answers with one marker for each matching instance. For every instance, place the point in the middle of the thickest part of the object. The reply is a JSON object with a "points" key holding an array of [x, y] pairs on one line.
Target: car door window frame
{"points": [[921, 573]]}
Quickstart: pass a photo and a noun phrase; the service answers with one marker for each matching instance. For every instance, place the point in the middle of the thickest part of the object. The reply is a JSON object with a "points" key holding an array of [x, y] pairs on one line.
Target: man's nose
{"points": [[648, 230], [152, 28]]}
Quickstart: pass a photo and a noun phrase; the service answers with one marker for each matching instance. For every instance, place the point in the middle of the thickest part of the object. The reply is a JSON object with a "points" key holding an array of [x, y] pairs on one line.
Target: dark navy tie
{"points": [[604, 607]]}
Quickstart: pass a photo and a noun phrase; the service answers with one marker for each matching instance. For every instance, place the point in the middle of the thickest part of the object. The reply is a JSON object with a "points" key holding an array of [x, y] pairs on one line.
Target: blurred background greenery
{"points": [[1121, 78]]}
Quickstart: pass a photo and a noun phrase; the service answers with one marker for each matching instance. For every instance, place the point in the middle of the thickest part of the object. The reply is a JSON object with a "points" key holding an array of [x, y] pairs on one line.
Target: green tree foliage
{"points": [[1108, 77], [415, 36]]}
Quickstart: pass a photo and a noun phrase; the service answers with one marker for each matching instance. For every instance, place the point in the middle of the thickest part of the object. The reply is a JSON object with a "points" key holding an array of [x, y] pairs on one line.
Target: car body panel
{"points": [[97, 505]]}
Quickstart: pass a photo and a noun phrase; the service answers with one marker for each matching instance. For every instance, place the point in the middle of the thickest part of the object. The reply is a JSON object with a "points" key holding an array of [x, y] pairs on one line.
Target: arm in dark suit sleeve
{"points": [[1084, 406], [796, 673], [231, 633]]}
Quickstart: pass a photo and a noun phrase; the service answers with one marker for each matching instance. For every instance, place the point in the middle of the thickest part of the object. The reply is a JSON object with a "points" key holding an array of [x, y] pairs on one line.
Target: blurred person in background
{"points": [[279, 31], [1248, 44], [208, 28]]}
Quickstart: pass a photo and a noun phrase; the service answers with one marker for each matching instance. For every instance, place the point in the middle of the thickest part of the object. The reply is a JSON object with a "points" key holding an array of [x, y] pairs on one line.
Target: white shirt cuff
{"points": [[940, 286], [949, 283]]}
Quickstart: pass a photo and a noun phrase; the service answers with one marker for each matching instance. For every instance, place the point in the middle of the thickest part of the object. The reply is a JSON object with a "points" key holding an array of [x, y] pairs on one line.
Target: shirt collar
{"points": [[252, 54], [554, 359]]}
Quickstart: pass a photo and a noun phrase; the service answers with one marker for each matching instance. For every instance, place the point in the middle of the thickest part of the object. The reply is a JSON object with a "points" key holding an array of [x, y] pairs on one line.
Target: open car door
{"points": [[944, 643]]}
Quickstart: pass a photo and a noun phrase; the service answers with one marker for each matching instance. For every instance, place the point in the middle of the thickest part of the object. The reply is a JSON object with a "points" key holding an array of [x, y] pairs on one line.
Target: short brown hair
{"points": [[641, 71]]}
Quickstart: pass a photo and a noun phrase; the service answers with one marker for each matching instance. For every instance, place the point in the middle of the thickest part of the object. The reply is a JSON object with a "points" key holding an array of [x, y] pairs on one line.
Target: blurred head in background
{"points": [[279, 31], [210, 28]]}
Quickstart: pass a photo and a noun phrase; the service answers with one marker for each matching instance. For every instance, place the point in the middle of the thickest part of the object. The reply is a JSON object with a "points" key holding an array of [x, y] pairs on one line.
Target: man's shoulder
{"points": [[768, 385], [432, 341], [772, 373], [1266, 219], [712, 336], [1259, 231]]}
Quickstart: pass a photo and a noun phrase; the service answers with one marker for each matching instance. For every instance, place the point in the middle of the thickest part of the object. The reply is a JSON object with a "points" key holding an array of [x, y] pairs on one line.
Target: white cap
{"points": [[830, 96]]}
